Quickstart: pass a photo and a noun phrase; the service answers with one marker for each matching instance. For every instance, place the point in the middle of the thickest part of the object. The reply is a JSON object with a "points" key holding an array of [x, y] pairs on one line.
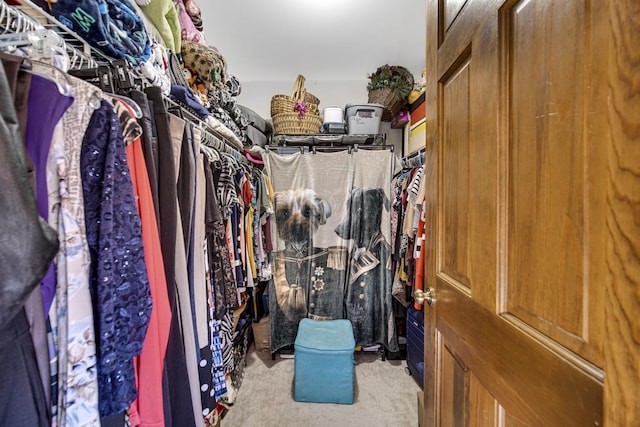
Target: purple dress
{"points": [[46, 106]]}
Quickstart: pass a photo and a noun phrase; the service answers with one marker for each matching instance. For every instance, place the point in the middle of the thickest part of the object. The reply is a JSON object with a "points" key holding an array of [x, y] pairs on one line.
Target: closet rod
{"points": [[413, 159], [414, 153], [217, 144], [212, 138], [290, 149]]}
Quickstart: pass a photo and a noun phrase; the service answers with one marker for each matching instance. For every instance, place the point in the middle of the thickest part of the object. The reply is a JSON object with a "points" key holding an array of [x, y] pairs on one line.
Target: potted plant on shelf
{"points": [[389, 86]]}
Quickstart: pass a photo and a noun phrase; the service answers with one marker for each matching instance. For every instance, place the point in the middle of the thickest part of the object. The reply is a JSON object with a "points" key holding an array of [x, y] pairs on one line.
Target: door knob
{"points": [[420, 296]]}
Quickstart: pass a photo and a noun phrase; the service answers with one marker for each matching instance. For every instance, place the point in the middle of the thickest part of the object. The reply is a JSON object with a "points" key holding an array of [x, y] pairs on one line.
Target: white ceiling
{"points": [[274, 40]]}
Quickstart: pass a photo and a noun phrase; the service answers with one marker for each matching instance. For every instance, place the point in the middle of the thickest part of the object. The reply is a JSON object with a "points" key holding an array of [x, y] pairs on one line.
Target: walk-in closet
{"points": [[316, 213]]}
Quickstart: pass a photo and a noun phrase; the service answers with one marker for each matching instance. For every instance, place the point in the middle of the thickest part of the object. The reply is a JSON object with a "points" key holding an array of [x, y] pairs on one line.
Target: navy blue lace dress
{"points": [[118, 276]]}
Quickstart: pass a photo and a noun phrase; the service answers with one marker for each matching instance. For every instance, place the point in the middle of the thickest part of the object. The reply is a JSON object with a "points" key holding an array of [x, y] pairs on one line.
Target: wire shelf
{"points": [[29, 17]]}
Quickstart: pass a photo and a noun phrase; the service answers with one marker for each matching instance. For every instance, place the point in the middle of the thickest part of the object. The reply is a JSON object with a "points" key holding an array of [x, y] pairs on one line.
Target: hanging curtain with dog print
{"points": [[331, 253]]}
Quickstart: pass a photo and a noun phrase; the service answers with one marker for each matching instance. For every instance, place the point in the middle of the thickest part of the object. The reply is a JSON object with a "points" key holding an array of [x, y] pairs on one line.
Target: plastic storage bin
{"points": [[415, 344], [363, 118]]}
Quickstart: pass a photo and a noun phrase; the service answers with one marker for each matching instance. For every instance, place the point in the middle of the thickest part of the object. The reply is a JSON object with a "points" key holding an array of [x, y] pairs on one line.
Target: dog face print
{"points": [[364, 215], [299, 213]]}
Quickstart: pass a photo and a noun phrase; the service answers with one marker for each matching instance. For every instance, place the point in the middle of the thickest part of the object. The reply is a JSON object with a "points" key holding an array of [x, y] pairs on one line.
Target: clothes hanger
{"points": [[233, 162], [3, 10], [13, 40], [208, 143], [137, 111], [76, 61], [124, 82], [42, 40], [7, 15], [211, 154], [64, 86]]}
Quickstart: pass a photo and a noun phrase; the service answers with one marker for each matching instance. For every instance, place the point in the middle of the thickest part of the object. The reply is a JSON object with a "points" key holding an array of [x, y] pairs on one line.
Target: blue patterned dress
{"points": [[118, 276]]}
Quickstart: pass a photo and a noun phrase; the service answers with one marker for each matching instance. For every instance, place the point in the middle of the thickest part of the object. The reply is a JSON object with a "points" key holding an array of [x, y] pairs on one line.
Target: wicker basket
{"points": [[311, 99], [285, 103], [290, 123], [392, 104]]}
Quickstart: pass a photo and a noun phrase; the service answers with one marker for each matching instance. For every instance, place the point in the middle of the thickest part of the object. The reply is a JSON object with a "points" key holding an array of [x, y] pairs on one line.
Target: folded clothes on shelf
{"points": [[109, 26]]}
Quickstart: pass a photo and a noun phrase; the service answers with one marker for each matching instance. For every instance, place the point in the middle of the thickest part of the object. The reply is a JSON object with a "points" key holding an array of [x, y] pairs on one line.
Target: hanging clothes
{"points": [[177, 126], [72, 313], [29, 247], [212, 385], [167, 310], [118, 277], [19, 77], [177, 392], [408, 228], [149, 146], [72, 341], [147, 409], [45, 108]]}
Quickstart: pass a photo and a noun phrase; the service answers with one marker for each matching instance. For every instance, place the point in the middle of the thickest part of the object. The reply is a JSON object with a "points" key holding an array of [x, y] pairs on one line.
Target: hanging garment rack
{"points": [[329, 139], [413, 159], [29, 18], [285, 150], [119, 78]]}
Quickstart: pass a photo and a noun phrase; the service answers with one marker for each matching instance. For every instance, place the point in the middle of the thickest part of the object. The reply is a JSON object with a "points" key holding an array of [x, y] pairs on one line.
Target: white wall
{"points": [[341, 40], [335, 44]]}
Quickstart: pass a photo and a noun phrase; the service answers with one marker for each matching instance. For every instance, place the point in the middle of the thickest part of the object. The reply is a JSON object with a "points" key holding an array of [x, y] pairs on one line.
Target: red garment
{"points": [[419, 282], [247, 191], [147, 410]]}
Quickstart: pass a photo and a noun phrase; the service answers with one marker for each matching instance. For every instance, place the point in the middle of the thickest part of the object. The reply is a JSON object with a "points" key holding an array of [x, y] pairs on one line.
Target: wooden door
{"points": [[533, 240]]}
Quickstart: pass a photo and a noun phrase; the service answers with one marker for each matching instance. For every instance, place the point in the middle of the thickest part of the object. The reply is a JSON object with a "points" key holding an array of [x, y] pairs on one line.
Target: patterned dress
{"points": [[118, 276]]}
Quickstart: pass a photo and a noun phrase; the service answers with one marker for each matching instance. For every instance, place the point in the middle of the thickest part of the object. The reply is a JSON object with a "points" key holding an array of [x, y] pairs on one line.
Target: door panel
{"points": [[528, 379], [548, 177], [455, 187], [516, 187], [511, 421], [454, 394], [451, 10], [483, 405]]}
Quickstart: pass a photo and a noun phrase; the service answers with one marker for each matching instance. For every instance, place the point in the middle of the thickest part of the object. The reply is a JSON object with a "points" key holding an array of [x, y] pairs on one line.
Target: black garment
{"points": [[116, 420], [187, 200], [149, 146], [20, 82], [19, 79], [187, 184], [177, 401], [28, 243], [22, 400]]}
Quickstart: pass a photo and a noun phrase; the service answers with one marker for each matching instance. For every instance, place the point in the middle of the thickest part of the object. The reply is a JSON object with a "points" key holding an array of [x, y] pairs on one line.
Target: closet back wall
{"points": [[335, 44]]}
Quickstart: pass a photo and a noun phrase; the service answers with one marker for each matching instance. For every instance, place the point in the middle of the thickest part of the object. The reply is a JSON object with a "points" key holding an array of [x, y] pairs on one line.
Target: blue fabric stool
{"points": [[324, 361]]}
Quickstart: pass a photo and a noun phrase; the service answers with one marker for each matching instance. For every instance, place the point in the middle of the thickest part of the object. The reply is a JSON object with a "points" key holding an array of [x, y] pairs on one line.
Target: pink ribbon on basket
{"points": [[301, 108]]}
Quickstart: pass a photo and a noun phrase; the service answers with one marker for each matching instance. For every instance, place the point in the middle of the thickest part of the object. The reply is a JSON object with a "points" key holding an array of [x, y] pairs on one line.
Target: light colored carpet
{"points": [[384, 396]]}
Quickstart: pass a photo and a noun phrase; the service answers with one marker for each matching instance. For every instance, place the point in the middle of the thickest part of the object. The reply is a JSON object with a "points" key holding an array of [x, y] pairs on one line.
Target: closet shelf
{"points": [[328, 139]]}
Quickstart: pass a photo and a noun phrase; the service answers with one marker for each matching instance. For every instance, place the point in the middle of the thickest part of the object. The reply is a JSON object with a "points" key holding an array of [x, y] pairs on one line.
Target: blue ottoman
{"points": [[324, 361]]}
